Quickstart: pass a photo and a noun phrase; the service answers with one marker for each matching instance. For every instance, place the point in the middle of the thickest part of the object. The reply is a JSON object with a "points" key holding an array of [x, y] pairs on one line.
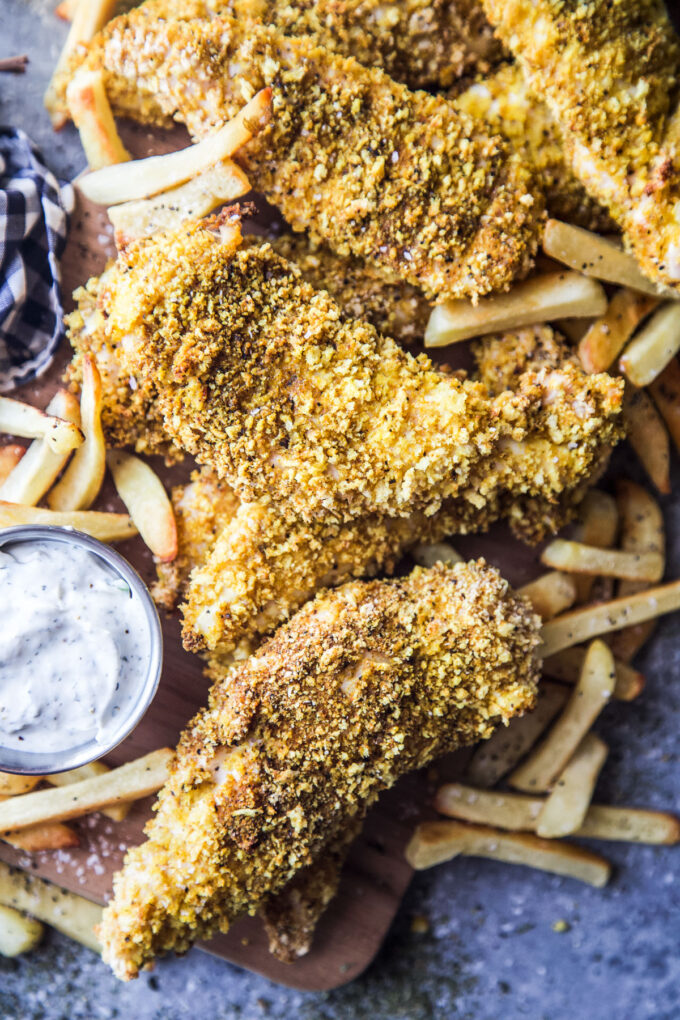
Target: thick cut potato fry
{"points": [[427, 554], [24, 420], [631, 825], [73, 915], [11, 784], [599, 526], [106, 527], [594, 255], [653, 348], [88, 17], [577, 558], [150, 508], [37, 470], [218, 184], [579, 625], [648, 436], [92, 115], [550, 594], [129, 782], [143, 178], [665, 390], [567, 665], [539, 299], [18, 934], [436, 842], [512, 811], [567, 806], [94, 768], [46, 836], [10, 456], [592, 692], [83, 478], [606, 338], [495, 757]]}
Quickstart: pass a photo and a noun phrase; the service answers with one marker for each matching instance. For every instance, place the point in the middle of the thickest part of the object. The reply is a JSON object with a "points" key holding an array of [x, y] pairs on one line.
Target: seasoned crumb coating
{"points": [[609, 72], [365, 683], [506, 105], [422, 43], [395, 308], [400, 179]]}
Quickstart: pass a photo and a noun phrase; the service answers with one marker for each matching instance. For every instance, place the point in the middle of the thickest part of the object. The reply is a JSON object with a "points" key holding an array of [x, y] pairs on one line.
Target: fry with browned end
{"points": [[608, 335], [88, 16], [91, 113], [436, 842], [44, 836], [10, 455]]}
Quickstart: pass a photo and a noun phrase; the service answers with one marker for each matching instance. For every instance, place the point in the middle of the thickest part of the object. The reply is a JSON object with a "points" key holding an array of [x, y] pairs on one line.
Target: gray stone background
{"points": [[489, 950]]}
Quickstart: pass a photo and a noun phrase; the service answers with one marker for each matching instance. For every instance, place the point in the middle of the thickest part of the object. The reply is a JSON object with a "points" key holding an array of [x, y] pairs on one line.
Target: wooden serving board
{"points": [[376, 874]]}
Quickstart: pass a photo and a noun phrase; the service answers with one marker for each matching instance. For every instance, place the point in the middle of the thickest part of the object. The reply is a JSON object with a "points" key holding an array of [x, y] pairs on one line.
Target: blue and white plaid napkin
{"points": [[34, 210]]}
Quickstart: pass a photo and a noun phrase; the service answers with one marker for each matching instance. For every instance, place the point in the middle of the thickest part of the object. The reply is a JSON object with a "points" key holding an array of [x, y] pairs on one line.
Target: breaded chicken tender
{"points": [[399, 179], [422, 43], [506, 105], [365, 683], [609, 72], [262, 378]]}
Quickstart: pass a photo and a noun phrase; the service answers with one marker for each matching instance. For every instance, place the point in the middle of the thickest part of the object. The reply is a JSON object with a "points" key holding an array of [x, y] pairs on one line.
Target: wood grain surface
{"points": [[376, 874]]}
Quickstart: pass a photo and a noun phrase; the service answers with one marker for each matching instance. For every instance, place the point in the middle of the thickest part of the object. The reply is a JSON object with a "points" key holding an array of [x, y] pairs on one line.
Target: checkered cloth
{"points": [[33, 222]]}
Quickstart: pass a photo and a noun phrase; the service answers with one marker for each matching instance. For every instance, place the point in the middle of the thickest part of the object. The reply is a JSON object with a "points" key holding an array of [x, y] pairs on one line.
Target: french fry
{"points": [[46, 836], [665, 391], [143, 178], [24, 420], [132, 781], [577, 558], [632, 825], [18, 934], [88, 17], [642, 531], [496, 756], [106, 527], [37, 470], [606, 338], [10, 456], [94, 768], [648, 436], [594, 255], [579, 625], [598, 526], [150, 508], [218, 184], [82, 480], [427, 554], [518, 812], [653, 347], [567, 806], [566, 666], [73, 915], [436, 842], [11, 785], [592, 692], [539, 299], [92, 115], [515, 812], [550, 594]]}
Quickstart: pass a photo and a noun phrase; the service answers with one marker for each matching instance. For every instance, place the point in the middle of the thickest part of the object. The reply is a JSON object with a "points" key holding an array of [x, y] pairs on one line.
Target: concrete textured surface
{"points": [[490, 949]]}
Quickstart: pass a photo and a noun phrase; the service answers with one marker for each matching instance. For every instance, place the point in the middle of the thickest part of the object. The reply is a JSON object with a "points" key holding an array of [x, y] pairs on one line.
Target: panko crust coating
{"points": [[365, 683]]}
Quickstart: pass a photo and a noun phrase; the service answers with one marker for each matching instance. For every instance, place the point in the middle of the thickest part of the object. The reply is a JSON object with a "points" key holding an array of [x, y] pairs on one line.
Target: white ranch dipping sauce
{"points": [[73, 647]]}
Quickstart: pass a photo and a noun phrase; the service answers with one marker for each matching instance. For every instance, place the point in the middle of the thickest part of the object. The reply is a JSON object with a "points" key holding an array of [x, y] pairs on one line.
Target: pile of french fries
{"points": [[531, 784], [35, 819], [65, 466]]}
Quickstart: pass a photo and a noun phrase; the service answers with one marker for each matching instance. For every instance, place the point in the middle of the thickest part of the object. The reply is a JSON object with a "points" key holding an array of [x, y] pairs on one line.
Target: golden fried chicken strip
{"points": [[422, 43], [400, 179], [365, 683], [609, 72], [260, 376], [504, 102]]}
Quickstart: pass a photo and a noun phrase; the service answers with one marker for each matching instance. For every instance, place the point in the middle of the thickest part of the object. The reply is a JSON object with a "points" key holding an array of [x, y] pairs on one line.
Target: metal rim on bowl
{"points": [[32, 763]]}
